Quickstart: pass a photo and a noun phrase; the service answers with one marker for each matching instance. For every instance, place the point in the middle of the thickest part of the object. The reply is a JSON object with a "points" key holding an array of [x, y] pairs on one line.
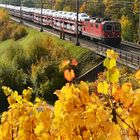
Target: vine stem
{"points": [[128, 126]]}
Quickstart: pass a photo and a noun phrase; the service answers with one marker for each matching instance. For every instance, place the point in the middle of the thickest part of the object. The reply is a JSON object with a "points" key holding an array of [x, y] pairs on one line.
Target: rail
{"points": [[131, 44]]}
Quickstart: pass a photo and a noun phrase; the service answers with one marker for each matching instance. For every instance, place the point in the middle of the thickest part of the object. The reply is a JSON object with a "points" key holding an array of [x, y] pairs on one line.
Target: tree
{"points": [[127, 28]]}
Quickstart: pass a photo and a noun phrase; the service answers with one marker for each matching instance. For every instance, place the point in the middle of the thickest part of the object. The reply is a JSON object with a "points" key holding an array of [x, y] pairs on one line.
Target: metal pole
{"points": [[51, 4], [139, 24], [6, 5], [21, 12], [77, 11], [41, 28]]}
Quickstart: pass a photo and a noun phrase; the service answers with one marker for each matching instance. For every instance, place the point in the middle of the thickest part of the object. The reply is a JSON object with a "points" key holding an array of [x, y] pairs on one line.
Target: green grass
{"points": [[76, 51]]}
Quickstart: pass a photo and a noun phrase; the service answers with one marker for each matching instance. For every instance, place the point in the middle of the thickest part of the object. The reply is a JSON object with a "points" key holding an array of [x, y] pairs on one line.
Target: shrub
{"points": [[45, 74], [19, 33], [3, 15], [12, 77], [3, 35]]}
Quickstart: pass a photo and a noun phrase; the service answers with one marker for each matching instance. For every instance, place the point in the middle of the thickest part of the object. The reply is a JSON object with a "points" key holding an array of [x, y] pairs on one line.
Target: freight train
{"points": [[99, 29]]}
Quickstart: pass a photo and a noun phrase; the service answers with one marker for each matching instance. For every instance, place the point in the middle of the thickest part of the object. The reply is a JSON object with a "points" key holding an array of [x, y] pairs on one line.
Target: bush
{"points": [[19, 33], [3, 35], [3, 15], [12, 77], [45, 74]]}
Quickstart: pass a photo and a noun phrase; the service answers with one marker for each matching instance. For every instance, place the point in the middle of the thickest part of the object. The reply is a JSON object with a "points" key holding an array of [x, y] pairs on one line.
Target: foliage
{"points": [[19, 32], [3, 15], [9, 29], [127, 28], [45, 74], [111, 111]]}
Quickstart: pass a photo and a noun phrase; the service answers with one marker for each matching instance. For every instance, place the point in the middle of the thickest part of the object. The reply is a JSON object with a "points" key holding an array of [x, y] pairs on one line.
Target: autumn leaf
{"points": [[111, 54], [74, 62], [103, 87], [137, 75], [64, 64], [109, 63], [39, 129], [113, 75], [127, 87], [27, 93], [69, 75]]}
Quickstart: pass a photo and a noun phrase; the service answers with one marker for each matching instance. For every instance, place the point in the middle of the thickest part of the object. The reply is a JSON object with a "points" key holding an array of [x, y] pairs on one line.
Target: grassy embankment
{"points": [[85, 57]]}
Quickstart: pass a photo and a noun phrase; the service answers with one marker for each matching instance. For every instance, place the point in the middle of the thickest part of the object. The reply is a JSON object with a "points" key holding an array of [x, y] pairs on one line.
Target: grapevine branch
{"points": [[128, 125]]}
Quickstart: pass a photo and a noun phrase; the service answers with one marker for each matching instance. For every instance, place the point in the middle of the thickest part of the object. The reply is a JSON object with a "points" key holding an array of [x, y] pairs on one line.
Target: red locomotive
{"points": [[104, 30]]}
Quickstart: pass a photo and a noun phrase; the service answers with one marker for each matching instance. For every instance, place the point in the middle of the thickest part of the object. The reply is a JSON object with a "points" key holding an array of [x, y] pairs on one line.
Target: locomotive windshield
{"points": [[108, 27], [117, 27], [112, 27]]}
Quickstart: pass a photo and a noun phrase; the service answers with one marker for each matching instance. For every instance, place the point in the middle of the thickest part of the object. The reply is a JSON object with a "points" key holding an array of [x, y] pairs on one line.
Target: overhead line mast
{"points": [[77, 22]]}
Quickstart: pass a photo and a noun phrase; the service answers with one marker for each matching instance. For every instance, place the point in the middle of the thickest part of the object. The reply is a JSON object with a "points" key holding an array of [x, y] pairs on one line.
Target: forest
{"points": [[125, 11]]}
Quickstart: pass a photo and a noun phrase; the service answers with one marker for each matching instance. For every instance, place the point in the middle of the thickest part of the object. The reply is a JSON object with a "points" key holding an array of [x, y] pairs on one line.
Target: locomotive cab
{"points": [[112, 33]]}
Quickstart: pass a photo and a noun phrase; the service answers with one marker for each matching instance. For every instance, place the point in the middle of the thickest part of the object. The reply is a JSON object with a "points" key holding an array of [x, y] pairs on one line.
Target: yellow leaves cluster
{"points": [[112, 72], [24, 120], [13, 96], [79, 115]]}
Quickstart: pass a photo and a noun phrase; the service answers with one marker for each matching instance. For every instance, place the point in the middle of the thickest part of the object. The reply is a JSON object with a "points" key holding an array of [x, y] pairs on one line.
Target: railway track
{"points": [[130, 44], [129, 55], [130, 47]]}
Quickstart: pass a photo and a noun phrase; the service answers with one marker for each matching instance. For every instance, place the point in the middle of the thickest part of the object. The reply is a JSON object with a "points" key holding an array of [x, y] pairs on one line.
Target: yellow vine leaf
{"points": [[57, 109], [64, 64], [114, 88], [137, 75], [67, 91], [127, 87], [14, 97], [111, 54], [109, 63], [113, 75], [45, 136], [119, 110], [37, 100], [84, 87], [39, 129], [115, 133], [27, 93], [103, 87], [7, 90]]}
